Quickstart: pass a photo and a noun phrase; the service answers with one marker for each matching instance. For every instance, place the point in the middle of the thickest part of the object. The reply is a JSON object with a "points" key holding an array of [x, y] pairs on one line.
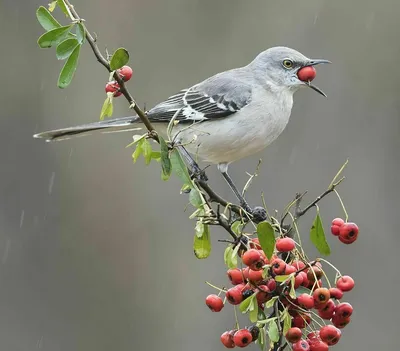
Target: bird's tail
{"points": [[111, 125]]}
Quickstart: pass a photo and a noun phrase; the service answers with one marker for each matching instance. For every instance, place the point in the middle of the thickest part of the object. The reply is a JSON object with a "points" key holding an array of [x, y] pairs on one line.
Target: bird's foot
{"points": [[198, 173], [258, 213]]}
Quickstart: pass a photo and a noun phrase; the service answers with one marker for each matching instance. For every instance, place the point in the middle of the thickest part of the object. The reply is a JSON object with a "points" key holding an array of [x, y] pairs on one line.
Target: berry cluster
{"points": [[125, 73], [304, 303]]}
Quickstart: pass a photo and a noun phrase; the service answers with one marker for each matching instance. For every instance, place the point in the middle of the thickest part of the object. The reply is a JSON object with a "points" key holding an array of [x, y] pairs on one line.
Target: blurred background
{"points": [[96, 252]]}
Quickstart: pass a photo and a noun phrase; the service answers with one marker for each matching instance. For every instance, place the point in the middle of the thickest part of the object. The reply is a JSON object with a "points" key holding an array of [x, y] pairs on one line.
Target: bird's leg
{"points": [[194, 167]]}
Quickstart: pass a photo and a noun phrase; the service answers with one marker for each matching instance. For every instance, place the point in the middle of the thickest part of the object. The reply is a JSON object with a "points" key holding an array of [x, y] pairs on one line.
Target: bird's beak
{"points": [[314, 62]]}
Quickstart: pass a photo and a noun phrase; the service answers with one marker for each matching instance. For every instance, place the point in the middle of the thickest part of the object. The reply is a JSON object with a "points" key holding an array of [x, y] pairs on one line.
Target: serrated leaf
{"points": [[107, 108], [273, 332], [165, 160], [195, 198], [282, 278], [46, 19], [266, 236], [302, 290], [68, 71], [202, 245], [53, 36], [65, 48], [80, 33], [247, 304], [179, 168], [147, 150], [119, 58], [317, 236], [63, 7], [287, 321], [52, 6], [253, 315], [261, 339], [138, 151], [271, 302], [237, 227]]}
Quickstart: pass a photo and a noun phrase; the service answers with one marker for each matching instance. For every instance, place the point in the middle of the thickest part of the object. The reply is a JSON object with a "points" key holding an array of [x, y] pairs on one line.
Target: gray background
{"points": [[95, 252]]}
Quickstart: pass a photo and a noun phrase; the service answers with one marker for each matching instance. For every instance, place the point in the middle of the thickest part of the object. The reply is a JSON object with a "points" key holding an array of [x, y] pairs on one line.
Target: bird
{"points": [[226, 117]]}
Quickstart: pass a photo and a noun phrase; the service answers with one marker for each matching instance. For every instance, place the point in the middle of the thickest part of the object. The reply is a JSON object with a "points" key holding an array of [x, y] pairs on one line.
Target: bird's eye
{"points": [[287, 63]]}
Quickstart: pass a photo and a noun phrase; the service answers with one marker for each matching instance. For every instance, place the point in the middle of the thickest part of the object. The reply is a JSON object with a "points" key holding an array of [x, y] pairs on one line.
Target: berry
{"points": [[326, 312], [313, 272], [298, 265], [336, 225], [318, 345], [227, 340], [348, 233], [301, 319], [306, 301], [254, 331], [234, 295], [306, 74], [235, 276], [126, 73], [290, 269], [306, 282], [321, 296], [345, 283], [340, 322], [293, 335], [330, 334], [242, 338], [253, 259], [298, 280], [285, 244], [214, 303], [301, 345], [271, 284], [247, 293], [113, 87], [336, 293], [278, 266], [255, 244], [263, 294], [255, 276], [343, 310]]}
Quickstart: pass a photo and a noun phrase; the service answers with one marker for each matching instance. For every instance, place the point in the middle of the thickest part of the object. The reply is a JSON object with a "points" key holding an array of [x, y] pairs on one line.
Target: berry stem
{"points": [[217, 288], [344, 208]]}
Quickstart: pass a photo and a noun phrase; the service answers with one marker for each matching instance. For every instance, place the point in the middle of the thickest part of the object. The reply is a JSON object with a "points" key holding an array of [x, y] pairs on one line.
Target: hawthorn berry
{"points": [[113, 87], [301, 345], [318, 345], [343, 310], [254, 331], [242, 338], [336, 225], [326, 311], [293, 335], [255, 276], [290, 269], [125, 72], [298, 280], [298, 265], [313, 272], [340, 322], [321, 296], [285, 244], [252, 258], [263, 294], [255, 244], [305, 282], [306, 301], [301, 319], [278, 266], [235, 276], [336, 293], [227, 339], [348, 233], [234, 295], [330, 334], [214, 303], [345, 283], [306, 73]]}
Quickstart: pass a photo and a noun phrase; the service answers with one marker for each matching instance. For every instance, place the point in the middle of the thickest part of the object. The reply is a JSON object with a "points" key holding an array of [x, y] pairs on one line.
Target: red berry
{"points": [[285, 244], [293, 335], [348, 233], [253, 259], [298, 280], [271, 283], [301, 345], [326, 312], [242, 338], [307, 73], [214, 303], [336, 225], [321, 296], [345, 283], [306, 301], [278, 266], [336, 293], [113, 87], [263, 294], [290, 269], [340, 322], [234, 295], [235, 276], [227, 340], [330, 334], [298, 265], [318, 345], [255, 276], [313, 272], [343, 310], [125, 72], [301, 319], [305, 282], [255, 244]]}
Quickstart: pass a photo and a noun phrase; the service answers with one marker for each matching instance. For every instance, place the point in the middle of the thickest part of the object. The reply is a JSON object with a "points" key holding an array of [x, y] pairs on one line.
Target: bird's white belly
{"points": [[242, 134]]}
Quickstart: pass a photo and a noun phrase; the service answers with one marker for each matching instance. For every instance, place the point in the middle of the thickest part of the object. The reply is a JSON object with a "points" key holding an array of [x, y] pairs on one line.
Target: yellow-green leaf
{"points": [[202, 245], [80, 33], [68, 71], [46, 19], [52, 6], [165, 160], [180, 169], [317, 236], [63, 7], [287, 321], [273, 332], [107, 108], [138, 151], [253, 315], [147, 151], [266, 236], [119, 59], [281, 278], [53, 36]]}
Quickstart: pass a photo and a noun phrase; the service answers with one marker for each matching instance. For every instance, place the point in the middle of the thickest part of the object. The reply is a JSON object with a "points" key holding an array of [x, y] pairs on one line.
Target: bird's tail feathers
{"points": [[113, 125]]}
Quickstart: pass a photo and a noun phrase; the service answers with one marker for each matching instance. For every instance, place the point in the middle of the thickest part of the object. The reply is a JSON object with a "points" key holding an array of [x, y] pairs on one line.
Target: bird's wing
{"points": [[217, 97]]}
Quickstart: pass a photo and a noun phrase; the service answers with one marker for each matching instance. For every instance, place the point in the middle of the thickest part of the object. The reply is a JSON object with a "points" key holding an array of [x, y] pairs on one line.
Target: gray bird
{"points": [[226, 117]]}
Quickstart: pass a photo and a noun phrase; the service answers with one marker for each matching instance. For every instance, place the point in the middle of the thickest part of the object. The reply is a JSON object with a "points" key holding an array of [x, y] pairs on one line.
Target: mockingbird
{"points": [[226, 117]]}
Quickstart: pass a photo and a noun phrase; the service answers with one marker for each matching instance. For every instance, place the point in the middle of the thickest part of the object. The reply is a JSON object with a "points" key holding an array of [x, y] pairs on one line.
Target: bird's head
{"points": [[287, 67]]}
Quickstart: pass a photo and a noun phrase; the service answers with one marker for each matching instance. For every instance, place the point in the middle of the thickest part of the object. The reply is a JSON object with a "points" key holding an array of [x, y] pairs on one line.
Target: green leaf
{"points": [[266, 236], [179, 168], [261, 315], [317, 236], [302, 290], [261, 339], [273, 332], [247, 304], [80, 33], [53, 36], [52, 6], [253, 315], [237, 227], [46, 19], [281, 278], [107, 108], [229, 259], [138, 151], [63, 7], [165, 160], [292, 292], [147, 150], [156, 155], [119, 59], [271, 302], [199, 228], [68, 71], [202, 245], [65, 48], [287, 321], [195, 198]]}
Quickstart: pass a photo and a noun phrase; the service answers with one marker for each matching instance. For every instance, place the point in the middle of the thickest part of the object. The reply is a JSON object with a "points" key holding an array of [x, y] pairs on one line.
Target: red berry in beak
{"points": [[307, 73]]}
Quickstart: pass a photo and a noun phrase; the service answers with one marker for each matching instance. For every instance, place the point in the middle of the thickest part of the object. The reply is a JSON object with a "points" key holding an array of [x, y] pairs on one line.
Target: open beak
{"points": [[315, 62]]}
